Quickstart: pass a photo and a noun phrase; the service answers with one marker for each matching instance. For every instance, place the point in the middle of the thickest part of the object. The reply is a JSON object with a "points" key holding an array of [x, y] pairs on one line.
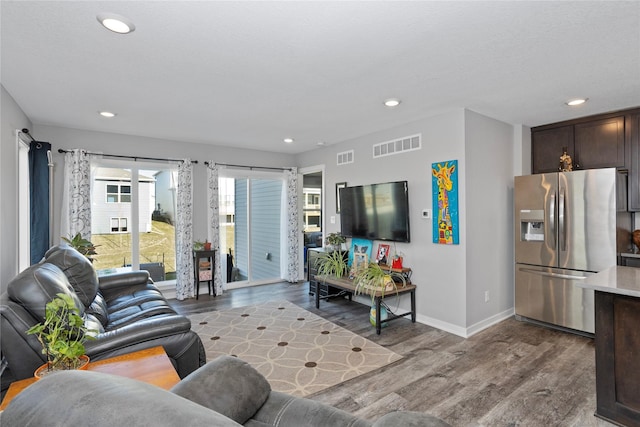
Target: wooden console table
{"points": [[151, 366], [347, 286]]}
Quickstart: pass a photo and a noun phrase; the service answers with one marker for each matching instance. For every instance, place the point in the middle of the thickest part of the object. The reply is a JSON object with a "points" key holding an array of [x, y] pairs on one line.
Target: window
{"points": [[118, 193], [312, 209], [119, 225], [132, 217], [24, 215]]}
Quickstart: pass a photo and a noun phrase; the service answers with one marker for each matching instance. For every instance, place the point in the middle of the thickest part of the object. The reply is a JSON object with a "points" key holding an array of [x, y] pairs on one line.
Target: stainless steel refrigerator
{"points": [[568, 225]]}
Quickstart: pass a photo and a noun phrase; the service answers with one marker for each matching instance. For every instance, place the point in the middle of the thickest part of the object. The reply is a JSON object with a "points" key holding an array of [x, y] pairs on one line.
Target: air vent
{"points": [[397, 146], [345, 157]]}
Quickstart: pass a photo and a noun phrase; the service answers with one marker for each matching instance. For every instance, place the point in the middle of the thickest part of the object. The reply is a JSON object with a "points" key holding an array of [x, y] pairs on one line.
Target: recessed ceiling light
{"points": [[288, 140], [577, 101], [116, 23], [107, 114], [392, 102]]}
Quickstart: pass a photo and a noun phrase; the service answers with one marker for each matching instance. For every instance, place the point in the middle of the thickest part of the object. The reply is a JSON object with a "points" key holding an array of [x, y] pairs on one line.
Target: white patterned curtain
{"points": [[184, 232], [76, 197], [214, 224], [291, 226]]}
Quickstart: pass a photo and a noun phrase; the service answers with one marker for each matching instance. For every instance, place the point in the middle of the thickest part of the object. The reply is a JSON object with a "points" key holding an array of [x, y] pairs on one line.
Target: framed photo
{"points": [[382, 256], [360, 262], [339, 185], [360, 246]]}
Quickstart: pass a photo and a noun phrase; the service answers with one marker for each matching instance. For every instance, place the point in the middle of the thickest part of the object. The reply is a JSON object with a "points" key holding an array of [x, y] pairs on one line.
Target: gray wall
{"points": [[111, 143], [11, 118], [489, 215], [450, 279]]}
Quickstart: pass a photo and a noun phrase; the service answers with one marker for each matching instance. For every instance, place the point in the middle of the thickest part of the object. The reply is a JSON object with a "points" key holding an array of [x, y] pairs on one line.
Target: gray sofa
{"points": [[224, 392], [127, 310]]}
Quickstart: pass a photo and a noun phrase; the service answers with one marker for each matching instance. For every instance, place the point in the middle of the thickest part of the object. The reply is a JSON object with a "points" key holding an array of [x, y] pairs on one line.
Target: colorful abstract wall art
{"points": [[445, 202]]}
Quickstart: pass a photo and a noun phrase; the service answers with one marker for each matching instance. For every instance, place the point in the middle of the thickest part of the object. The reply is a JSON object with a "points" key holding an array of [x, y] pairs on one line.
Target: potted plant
{"points": [[62, 336], [82, 245], [332, 264], [335, 240], [373, 278]]}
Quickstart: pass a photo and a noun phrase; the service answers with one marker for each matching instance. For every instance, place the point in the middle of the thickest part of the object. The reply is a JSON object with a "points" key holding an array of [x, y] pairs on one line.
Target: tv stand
{"points": [[347, 286]]}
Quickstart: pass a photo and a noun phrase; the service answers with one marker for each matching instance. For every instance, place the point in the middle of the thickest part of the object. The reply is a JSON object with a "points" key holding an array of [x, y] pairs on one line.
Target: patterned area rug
{"points": [[298, 352]]}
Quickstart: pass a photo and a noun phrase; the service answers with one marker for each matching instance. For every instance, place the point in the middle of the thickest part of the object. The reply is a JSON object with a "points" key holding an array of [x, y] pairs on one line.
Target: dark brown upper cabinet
{"points": [[601, 141], [595, 142], [600, 144], [548, 145], [633, 136]]}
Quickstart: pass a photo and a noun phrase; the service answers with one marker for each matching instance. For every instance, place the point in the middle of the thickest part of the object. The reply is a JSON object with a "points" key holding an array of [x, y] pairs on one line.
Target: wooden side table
{"points": [[203, 270], [151, 366]]}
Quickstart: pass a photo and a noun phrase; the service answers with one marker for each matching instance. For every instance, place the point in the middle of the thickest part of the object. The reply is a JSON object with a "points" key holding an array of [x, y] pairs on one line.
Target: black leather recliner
{"points": [[128, 312]]}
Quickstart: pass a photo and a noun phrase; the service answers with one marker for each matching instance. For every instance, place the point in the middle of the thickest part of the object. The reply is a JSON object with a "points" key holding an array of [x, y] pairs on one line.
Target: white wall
{"points": [[111, 143], [11, 118]]}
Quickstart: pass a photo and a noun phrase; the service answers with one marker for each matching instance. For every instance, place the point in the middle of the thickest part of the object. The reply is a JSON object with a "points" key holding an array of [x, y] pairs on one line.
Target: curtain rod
{"points": [[248, 167], [25, 131], [60, 150]]}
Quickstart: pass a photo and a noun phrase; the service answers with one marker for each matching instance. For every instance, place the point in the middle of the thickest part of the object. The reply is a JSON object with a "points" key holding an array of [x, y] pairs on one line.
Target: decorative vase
{"points": [[383, 315], [207, 246], [43, 370]]}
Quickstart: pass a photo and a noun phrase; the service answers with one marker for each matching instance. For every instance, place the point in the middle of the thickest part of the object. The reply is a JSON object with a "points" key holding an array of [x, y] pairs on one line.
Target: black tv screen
{"points": [[376, 211]]}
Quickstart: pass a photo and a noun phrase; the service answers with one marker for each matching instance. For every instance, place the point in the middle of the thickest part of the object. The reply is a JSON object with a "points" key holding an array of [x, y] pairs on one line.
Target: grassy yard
{"points": [[114, 250]]}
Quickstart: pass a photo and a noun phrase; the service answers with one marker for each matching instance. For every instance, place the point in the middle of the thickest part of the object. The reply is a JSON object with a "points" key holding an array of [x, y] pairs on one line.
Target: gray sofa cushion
{"points": [[227, 385], [85, 398], [284, 410]]}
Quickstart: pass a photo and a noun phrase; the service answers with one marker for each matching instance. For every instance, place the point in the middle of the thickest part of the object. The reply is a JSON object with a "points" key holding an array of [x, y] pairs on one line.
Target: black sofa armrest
{"points": [[143, 330], [131, 278]]}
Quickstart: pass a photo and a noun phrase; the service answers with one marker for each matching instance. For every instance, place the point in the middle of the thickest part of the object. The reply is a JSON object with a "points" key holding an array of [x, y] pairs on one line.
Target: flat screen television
{"points": [[375, 211]]}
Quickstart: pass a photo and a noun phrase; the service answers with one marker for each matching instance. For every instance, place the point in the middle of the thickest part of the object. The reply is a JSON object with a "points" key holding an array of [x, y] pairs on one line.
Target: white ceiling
{"points": [[248, 74]]}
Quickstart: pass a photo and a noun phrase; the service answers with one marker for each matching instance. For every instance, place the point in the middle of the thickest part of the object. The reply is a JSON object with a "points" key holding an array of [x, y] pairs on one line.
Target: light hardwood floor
{"points": [[511, 374]]}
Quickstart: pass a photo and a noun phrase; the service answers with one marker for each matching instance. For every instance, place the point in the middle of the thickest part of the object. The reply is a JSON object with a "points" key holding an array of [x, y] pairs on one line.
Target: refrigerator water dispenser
{"points": [[532, 225]]}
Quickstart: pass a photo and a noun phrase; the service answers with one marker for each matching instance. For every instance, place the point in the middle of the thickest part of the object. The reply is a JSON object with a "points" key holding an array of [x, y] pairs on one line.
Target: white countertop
{"points": [[616, 280], [629, 255]]}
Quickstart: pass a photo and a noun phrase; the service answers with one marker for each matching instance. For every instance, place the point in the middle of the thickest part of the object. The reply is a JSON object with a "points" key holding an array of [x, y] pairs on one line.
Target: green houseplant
{"points": [[373, 278], [82, 245], [332, 263], [335, 240], [62, 334]]}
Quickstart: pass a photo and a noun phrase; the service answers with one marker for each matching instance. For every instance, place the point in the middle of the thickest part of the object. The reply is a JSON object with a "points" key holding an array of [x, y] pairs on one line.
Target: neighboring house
{"points": [[111, 210], [165, 193]]}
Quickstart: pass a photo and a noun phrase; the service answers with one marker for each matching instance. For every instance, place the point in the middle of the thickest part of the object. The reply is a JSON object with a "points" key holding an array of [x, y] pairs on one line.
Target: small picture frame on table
{"points": [[339, 185], [382, 255]]}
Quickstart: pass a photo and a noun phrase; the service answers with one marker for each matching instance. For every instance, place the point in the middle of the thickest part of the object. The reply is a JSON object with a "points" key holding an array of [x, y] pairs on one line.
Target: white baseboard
{"points": [[469, 331]]}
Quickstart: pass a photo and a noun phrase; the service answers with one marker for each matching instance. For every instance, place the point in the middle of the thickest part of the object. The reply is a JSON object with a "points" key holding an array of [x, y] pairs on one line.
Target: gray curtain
{"points": [[76, 196], [214, 224], [292, 226], [184, 232]]}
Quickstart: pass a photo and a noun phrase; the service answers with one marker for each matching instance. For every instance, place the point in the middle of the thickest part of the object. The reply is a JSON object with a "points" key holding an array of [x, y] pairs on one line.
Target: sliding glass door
{"points": [[132, 217], [250, 227]]}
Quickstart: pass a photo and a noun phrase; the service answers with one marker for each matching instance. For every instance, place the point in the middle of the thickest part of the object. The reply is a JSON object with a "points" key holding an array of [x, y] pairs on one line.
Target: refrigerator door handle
{"points": [[562, 236], [552, 218], [549, 274]]}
